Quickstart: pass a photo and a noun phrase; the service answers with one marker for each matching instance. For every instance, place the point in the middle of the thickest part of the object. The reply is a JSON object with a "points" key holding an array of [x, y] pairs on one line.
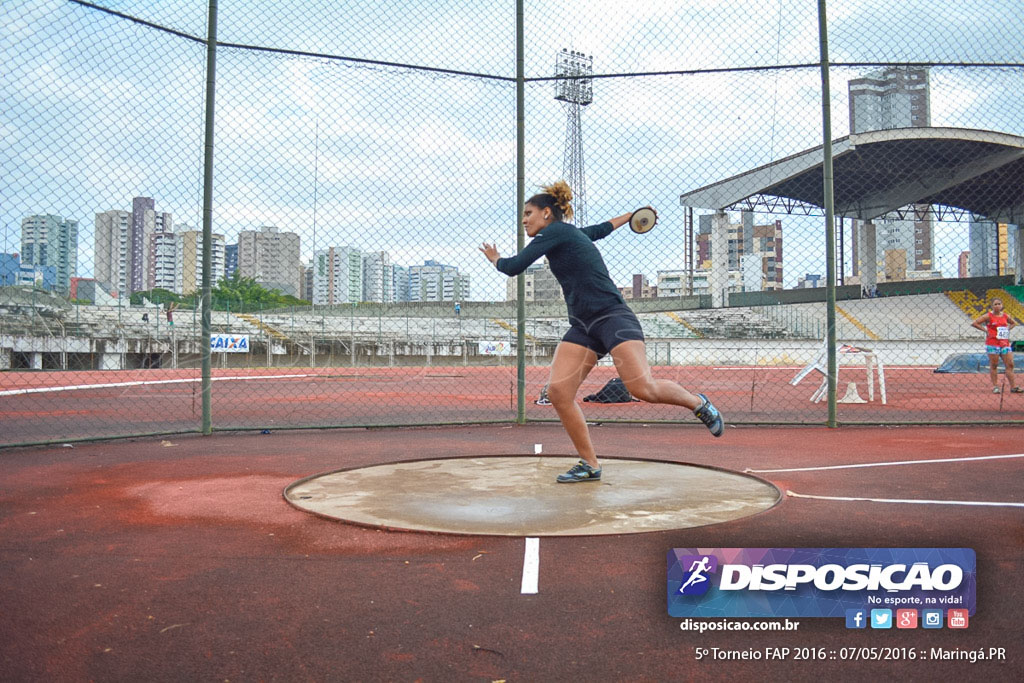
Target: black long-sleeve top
{"points": [[576, 264]]}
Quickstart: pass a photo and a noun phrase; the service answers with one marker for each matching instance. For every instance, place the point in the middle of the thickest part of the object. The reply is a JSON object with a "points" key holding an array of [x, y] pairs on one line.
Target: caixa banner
{"points": [[816, 582], [229, 343]]}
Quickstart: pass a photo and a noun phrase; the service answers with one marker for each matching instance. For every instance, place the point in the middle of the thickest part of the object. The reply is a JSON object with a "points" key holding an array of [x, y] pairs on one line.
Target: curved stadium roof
{"points": [[887, 172]]}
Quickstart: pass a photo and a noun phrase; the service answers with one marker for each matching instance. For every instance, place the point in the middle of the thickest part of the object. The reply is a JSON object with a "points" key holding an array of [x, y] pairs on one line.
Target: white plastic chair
{"points": [[845, 353]]}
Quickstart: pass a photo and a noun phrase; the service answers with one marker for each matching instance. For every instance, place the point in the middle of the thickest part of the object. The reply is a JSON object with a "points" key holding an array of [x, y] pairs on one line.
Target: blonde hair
{"points": [[557, 196]]}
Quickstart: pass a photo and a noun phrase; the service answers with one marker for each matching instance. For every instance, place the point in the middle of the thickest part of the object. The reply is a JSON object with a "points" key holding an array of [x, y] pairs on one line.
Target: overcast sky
{"points": [[421, 164]]}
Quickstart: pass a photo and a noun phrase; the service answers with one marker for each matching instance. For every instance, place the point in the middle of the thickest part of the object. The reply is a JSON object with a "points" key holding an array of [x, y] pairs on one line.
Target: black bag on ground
{"points": [[614, 391]]}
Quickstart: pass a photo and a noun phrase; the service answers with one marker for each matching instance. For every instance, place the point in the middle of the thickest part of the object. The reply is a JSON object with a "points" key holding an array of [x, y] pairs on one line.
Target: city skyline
{"points": [[333, 150], [169, 253]]}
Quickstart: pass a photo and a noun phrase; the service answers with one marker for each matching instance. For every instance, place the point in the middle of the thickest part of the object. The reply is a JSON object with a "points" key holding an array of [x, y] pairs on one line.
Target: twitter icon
{"points": [[881, 618]]}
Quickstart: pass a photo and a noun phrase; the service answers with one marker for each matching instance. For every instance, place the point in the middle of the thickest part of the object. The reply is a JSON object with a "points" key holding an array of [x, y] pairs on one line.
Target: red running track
{"points": [[142, 560], [39, 406]]}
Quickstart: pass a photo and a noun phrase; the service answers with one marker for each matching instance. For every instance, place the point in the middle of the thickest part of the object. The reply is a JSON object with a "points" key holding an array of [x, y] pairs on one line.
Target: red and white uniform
{"points": [[997, 330]]}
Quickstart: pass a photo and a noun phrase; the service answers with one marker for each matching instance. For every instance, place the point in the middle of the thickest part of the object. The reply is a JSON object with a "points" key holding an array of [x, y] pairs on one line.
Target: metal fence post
{"points": [[830, 247], [211, 81], [520, 230]]}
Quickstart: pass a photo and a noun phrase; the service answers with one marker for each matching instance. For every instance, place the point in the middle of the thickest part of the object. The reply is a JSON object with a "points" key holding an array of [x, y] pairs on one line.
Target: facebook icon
{"points": [[856, 618]]}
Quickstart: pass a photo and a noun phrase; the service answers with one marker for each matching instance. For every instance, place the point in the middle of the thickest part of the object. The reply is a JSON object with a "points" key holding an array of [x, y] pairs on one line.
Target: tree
{"points": [[244, 293], [157, 295]]}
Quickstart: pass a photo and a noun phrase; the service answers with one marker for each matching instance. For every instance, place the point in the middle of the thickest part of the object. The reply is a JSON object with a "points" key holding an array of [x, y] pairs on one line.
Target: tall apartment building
{"points": [[307, 282], [993, 247], [337, 276], [162, 260], [378, 277], [138, 244], [188, 260], [112, 250], [124, 245], [271, 258], [14, 273], [230, 261], [400, 283], [435, 281], [766, 258], [539, 284], [755, 251], [146, 221], [963, 264], [10, 264], [48, 240], [671, 283], [894, 97]]}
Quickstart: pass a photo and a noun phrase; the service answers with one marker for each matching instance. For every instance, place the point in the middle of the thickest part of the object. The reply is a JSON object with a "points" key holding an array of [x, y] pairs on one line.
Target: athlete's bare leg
{"points": [[631, 361], [571, 365], [993, 368]]}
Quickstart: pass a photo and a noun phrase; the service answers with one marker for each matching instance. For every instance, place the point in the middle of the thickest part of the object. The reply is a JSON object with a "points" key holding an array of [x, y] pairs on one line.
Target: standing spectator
{"points": [[997, 325]]}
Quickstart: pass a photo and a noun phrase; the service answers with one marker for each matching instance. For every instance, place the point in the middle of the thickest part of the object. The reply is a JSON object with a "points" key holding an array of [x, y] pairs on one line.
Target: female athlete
{"points": [[600, 321]]}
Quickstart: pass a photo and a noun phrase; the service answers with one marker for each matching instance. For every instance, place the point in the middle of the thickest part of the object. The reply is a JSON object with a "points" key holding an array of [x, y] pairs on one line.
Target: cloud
{"points": [[98, 110]]}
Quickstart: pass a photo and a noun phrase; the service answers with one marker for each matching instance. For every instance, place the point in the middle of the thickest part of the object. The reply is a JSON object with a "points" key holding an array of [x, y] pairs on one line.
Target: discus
{"points": [[643, 220]]}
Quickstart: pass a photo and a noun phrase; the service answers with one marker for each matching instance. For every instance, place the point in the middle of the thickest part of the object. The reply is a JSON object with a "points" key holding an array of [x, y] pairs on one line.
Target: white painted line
{"points": [[910, 500], [75, 387], [791, 368], [886, 464], [537, 448], [531, 567]]}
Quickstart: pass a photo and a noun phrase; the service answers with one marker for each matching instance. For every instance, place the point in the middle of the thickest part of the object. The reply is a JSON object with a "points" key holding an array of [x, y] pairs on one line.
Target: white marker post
{"points": [[531, 567]]}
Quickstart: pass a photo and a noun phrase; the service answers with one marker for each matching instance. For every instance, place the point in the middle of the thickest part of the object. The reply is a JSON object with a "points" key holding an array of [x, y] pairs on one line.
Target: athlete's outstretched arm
{"points": [[513, 265], [599, 231], [619, 221]]}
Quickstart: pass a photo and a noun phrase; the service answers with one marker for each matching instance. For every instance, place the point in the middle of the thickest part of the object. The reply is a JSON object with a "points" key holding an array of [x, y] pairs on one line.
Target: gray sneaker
{"points": [[709, 415], [581, 471]]}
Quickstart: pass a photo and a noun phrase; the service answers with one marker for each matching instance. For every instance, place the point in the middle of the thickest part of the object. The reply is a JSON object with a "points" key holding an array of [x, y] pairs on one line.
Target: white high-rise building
{"points": [[378, 275], [162, 261], [272, 259], [400, 283], [157, 223], [48, 240], [112, 249], [337, 276], [435, 281], [138, 244], [894, 97]]}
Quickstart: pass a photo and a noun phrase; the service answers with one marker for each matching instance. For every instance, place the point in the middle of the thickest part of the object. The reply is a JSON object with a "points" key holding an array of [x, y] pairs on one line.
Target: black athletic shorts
{"points": [[606, 331]]}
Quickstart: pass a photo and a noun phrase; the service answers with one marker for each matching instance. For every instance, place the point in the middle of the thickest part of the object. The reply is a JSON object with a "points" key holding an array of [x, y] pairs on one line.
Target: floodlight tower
{"points": [[574, 88]]}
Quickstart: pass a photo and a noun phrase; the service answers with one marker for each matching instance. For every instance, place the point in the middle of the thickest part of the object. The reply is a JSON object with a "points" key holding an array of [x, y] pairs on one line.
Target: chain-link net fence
{"points": [[363, 152]]}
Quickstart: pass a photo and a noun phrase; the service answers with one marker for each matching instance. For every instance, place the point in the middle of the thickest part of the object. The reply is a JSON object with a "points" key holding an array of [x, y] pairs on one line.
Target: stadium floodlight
{"points": [[574, 88], [574, 70]]}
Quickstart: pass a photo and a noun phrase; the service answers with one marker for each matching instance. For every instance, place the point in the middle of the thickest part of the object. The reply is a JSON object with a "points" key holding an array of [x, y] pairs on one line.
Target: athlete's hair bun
{"points": [[562, 194]]}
